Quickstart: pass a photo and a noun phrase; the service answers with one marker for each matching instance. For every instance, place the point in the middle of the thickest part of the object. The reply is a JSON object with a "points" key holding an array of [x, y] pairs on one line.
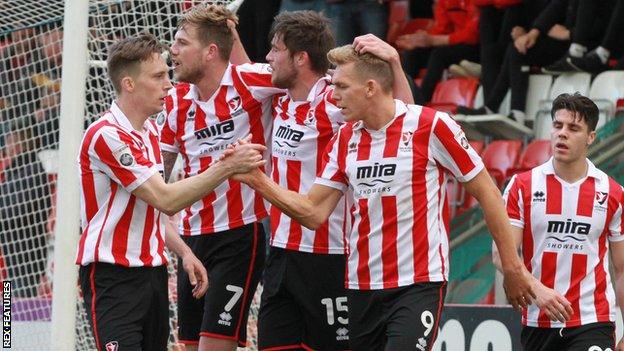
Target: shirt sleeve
{"points": [[333, 112], [332, 171], [257, 78], [450, 147], [169, 127], [616, 226], [514, 203], [117, 155]]}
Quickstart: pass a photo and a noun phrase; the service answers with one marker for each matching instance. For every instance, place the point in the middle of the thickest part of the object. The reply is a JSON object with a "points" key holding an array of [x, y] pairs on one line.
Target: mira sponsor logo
{"points": [[375, 171], [6, 314], [568, 227], [289, 134], [215, 130]]}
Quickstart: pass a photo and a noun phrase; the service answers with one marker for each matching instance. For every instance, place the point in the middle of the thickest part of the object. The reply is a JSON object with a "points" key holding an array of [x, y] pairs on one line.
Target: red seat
{"points": [[454, 92], [536, 153], [398, 14], [499, 156]]}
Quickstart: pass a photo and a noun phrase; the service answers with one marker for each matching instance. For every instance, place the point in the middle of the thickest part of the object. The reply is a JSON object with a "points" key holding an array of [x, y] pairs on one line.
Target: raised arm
{"points": [[311, 210], [372, 44]]}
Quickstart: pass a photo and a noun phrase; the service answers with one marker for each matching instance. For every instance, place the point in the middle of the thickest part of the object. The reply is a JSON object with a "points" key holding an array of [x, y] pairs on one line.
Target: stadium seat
{"points": [[538, 90], [454, 92], [398, 14], [499, 156], [536, 153], [565, 83], [605, 90]]}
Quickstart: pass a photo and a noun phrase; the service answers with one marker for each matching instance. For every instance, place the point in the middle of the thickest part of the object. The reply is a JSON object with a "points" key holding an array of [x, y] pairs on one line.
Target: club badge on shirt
{"points": [[124, 157]]}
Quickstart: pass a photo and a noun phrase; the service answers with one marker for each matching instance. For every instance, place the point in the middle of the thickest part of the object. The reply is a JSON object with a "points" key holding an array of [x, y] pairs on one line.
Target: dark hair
{"points": [[305, 31], [210, 20], [125, 56], [582, 107]]}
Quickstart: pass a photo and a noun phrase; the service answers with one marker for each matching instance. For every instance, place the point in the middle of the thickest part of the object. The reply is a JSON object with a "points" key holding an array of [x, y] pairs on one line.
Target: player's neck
{"points": [[212, 80], [133, 112], [303, 84], [571, 171], [379, 113]]}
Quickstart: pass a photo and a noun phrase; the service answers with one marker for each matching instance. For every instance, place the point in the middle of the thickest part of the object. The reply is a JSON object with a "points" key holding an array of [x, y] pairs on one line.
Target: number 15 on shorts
{"points": [[334, 308]]}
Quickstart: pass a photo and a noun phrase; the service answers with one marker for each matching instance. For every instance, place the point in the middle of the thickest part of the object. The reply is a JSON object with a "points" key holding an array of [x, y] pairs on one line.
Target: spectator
{"points": [[592, 15], [255, 19], [351, 18], [25, 202], [452, 38]]}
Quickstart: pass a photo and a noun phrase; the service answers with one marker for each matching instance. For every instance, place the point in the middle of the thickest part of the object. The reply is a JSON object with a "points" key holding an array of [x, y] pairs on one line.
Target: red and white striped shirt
{"points": [[566, 228], [201, 130], [301, 132], [118, 227], [399, 233]]}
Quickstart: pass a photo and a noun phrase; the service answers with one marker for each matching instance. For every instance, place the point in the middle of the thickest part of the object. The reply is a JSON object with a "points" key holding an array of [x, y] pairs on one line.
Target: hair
{"points": [[305, 31], [126, 55], [582, 107], [211, 23], [367, 65]]}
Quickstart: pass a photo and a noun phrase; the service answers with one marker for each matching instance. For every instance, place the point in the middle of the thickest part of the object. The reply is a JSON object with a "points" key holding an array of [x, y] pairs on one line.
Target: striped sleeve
{"points": [[117, 155], [451, 149], [616, 226], [257, 78], [169, 128], [514, 203], [333, 112], [332, 172]]}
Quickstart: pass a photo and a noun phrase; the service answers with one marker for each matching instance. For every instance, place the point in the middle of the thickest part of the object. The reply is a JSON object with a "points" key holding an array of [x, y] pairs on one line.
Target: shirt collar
{"points": [[193, 93], [124, 122], [592, 171], [400, 108]]}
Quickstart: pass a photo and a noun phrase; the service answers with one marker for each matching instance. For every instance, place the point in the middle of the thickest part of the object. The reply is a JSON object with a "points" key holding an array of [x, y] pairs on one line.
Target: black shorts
{"points": [[304, 302], [404, 318], [234, 260], [589, 337], [126, 307]]}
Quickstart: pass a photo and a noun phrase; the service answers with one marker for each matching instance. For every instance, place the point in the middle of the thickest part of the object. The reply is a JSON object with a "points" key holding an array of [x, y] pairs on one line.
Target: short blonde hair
{"points": [[367, 65], [211, 23]]}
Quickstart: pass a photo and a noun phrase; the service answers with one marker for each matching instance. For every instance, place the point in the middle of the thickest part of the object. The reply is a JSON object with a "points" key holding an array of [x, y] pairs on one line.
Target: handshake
{"points": [[242, 160]]}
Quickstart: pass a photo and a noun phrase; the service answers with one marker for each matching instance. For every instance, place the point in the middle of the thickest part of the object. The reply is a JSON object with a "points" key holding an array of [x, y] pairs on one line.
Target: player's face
{"points": [[186, 53], [283, 72], [349, 92], [570, 137], [152, 84]]}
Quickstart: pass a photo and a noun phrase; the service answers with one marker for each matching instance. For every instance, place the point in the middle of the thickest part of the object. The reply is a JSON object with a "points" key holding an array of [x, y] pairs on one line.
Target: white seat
{"points": [[566, 83], [538, 90], [605, 90]]}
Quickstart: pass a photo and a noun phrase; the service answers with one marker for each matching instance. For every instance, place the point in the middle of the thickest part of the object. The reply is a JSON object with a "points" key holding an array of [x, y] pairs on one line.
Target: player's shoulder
{"points": [[178, 90]]}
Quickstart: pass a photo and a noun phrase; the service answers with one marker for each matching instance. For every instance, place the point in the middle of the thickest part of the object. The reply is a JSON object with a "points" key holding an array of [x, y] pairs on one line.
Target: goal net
{"points": [[31, 39]]}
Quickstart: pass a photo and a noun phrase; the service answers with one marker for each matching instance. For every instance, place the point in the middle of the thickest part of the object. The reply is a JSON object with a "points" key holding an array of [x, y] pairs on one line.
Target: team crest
{"points": [[310, 118], [234, 103], [601, 197], [112, 346], [124, 156], [406, 137]]}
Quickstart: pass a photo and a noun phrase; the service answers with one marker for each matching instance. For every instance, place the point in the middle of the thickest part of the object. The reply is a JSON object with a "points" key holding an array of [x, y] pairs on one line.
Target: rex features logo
{"points": [[374, 179]]}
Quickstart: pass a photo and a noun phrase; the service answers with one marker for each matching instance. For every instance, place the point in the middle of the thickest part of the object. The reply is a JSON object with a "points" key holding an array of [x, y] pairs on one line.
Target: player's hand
{"points": [[372, 44], [518, 287], [198, 276], [620, 345], [555, 306], [243, 156]]}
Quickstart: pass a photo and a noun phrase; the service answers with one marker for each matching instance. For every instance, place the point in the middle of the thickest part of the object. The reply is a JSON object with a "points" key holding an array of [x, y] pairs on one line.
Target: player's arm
{"points": [[311, 210], [617, 260], [171, 198], [198, 277], [372, 44], [169, 160], [517, 279], [555, 305]]}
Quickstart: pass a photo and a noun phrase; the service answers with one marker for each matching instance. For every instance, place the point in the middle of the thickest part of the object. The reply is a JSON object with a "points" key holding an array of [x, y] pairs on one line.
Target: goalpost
{"points": [[43, 117]]}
